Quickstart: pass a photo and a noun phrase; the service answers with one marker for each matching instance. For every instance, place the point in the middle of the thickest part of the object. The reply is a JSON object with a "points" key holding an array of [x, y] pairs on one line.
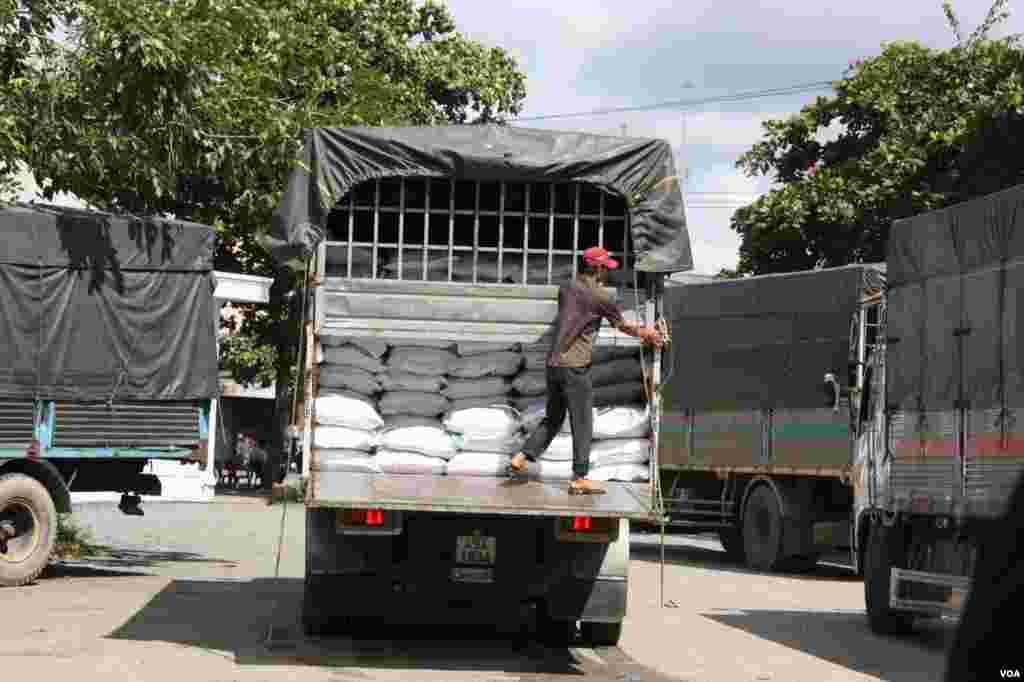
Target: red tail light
{"points": [[587, 529], [582, 524], [362, 517]]}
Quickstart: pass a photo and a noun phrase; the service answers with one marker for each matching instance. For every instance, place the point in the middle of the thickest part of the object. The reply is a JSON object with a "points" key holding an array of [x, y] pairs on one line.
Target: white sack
{"points": [[560, 449], [424, 361], [347, 409], [476, 388], [478, 464], [352, 461], [425, 440], [496, 421], [342, 438], [394, 380], [352, 356], [503, 364], [530, 383], [620, 451], [398, 462], [352, 378], [617, 422], [622, 422], [627, 473], [481, 442], [551, 471], [413, 402]]}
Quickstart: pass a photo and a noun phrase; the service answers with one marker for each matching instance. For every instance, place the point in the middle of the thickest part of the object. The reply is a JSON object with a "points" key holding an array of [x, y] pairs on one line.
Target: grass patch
{"points": [[74, 541]]}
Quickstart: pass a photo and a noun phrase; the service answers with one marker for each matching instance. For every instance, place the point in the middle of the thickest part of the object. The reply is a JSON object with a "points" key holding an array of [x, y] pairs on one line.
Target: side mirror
{"points": [[833, 391]]}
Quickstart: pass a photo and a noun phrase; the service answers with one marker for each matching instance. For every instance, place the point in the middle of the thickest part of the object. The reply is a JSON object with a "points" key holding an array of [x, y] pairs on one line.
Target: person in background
{"points": [[582, 306]]}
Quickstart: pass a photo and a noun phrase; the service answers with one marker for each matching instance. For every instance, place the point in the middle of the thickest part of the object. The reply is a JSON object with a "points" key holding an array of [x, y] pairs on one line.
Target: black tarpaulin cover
{"points": [[763, 342], [337, 159], [955, 277], [97, 307]]}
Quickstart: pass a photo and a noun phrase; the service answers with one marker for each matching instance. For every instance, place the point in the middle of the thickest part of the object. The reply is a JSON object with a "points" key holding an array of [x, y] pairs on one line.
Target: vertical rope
{"points": [[292, 420]]}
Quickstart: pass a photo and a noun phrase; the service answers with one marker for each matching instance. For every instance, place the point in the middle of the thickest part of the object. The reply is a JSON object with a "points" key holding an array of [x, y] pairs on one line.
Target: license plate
{"points": [[473, 575], [476, 550]]}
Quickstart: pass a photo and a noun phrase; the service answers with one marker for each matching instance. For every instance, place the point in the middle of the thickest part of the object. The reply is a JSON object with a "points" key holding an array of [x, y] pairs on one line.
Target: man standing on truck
{"points": [[582, 305]]}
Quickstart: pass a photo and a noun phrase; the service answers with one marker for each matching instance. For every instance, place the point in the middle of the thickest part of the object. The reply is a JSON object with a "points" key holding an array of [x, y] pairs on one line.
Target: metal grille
{"points": [[16, 422], [430, 229], [125, 425]]}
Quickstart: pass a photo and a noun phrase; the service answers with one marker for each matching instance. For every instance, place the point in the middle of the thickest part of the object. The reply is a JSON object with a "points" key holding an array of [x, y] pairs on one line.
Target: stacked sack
{"points": [[621, 450], [439, 407]]}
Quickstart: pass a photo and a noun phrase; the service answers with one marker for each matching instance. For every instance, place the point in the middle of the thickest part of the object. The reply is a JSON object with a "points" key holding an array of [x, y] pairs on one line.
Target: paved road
{"points": [[187, 592]]}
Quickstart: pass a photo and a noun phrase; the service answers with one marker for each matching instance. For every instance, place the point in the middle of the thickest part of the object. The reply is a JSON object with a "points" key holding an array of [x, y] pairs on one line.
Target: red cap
{"points": [[598, 255]]}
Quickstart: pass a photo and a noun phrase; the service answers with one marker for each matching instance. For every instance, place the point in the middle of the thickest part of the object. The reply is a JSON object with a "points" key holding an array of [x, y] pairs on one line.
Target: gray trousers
{"points": [[569, 391]]}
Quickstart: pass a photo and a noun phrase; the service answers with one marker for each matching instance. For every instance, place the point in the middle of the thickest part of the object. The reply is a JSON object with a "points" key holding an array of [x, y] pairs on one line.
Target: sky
{"points": [[583, 55]]}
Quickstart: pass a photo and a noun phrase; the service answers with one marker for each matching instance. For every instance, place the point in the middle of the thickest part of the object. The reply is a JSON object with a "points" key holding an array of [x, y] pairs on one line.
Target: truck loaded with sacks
{"points": [[434, 257]]}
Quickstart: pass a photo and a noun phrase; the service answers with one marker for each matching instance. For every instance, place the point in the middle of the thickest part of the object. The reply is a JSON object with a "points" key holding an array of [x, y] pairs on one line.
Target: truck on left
{"points": [[108, 359]]}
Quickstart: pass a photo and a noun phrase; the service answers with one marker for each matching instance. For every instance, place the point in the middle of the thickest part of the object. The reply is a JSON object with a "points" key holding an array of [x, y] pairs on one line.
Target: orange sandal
{"points": [[584, 486]]}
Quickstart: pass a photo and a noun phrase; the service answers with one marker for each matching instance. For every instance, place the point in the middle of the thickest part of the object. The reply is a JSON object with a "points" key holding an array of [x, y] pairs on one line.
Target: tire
{"points": [[882, 554], [557, 633], [762, 530], [600, 634], [26, 505], [732, 543]]}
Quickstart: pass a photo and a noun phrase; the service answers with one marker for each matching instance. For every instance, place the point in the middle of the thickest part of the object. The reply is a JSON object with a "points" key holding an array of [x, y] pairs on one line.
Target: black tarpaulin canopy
{"points": [[763, 342], [337, 159], [95, 306], [954, 308]]}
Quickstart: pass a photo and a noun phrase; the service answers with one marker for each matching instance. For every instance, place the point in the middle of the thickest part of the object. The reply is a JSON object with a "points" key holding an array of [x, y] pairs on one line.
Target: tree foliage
{"points": [[25, 40], [913, 129], [196, 108]]}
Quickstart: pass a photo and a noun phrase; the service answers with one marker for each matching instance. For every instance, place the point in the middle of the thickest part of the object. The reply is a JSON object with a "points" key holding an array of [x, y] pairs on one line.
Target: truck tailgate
{"points": [[476, 495]]}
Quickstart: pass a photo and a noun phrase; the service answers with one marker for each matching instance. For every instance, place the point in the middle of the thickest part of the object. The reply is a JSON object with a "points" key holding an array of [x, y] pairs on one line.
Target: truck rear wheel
{"points": [[882, 554], [762, 529], [600, 634], [28, 529]]}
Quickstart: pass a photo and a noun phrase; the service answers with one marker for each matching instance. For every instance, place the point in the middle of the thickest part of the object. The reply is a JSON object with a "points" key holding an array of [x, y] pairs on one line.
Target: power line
{"points": [[687, 103]]}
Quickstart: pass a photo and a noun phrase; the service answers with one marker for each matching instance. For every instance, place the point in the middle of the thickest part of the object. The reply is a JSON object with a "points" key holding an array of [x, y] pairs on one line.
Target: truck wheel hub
{"points": [[19, 531]]}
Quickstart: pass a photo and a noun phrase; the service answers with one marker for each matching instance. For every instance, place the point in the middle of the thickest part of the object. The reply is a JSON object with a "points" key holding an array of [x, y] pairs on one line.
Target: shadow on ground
{"points": [[108, 560], [72, 569], [257, 622], [843, 638], [718, 560]]}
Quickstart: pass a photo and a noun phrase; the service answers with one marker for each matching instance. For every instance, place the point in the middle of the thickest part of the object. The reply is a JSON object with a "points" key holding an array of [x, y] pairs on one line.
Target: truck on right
{"points": [[940, 444]]}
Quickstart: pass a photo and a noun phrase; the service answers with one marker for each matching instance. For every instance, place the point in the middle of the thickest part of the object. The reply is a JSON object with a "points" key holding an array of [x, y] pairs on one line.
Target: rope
{"points": [[294, 404], [653, 399]]}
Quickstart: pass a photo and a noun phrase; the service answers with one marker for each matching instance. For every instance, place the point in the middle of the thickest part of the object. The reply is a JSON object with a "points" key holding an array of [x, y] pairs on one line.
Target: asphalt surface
{"points": [[189, 591]]}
